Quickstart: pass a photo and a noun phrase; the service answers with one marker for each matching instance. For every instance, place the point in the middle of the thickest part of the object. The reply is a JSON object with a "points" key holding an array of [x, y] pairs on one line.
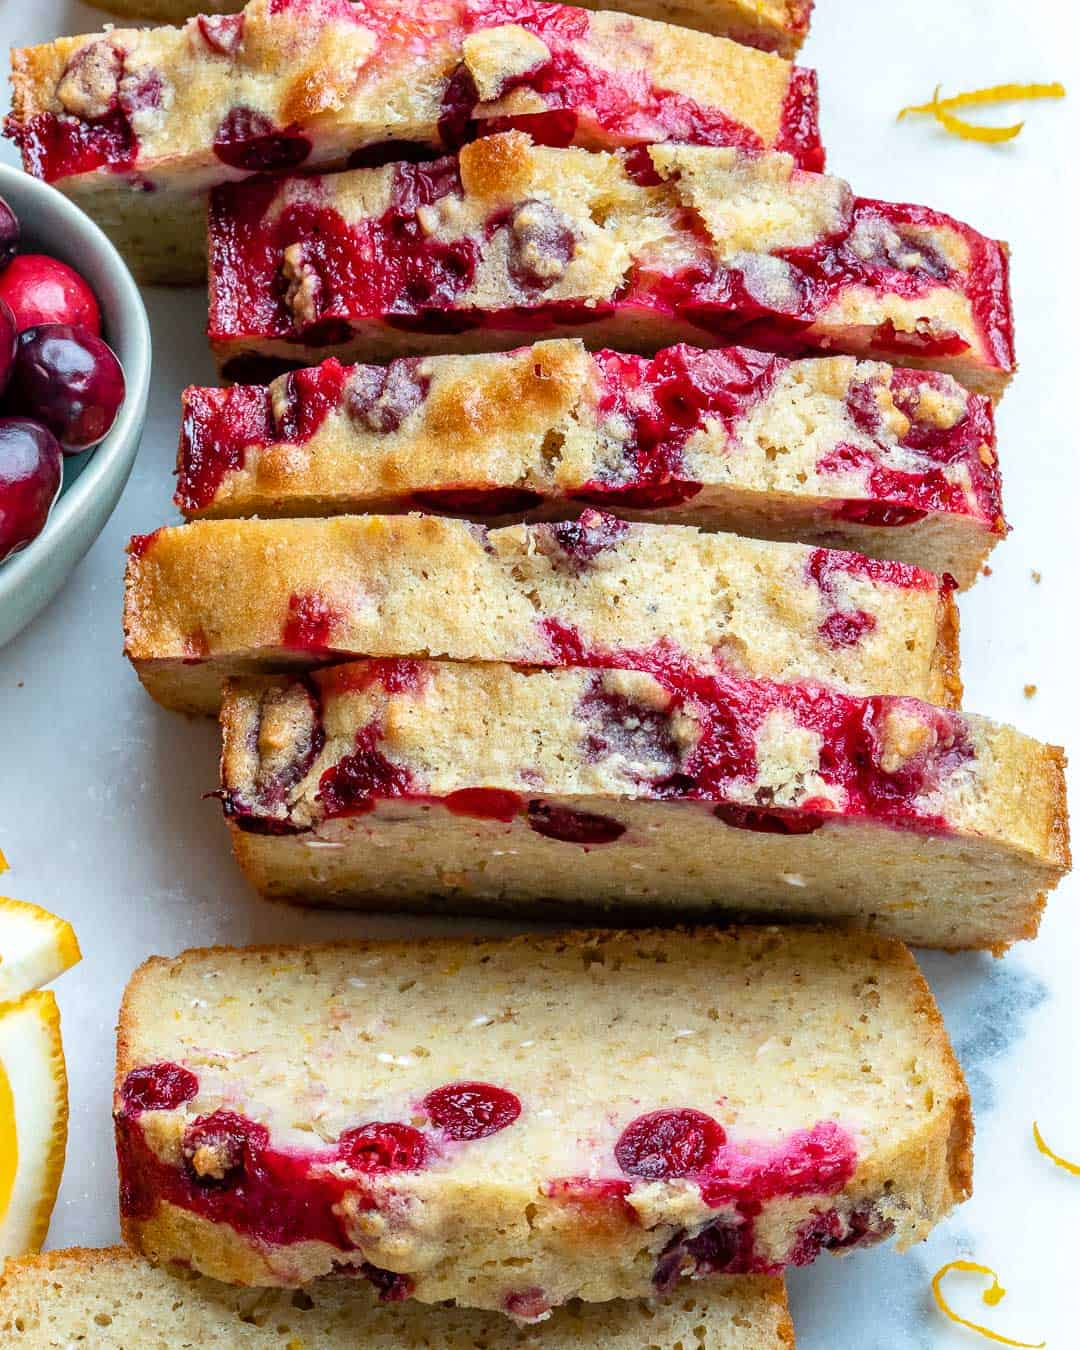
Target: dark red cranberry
{"points": [[248, 140], [391, 1287], [573, 827], [8, 337], [41, 289], [158, 1087], [542, 242], [383, 1146], [477, 501], [218, 1149], [471, 1110], [353, 785], [768, 822], [390, 152], [666, 1144], [30, 473], [381, 399], [592, 532], [484, 803], [9, 233], [69, 379]]}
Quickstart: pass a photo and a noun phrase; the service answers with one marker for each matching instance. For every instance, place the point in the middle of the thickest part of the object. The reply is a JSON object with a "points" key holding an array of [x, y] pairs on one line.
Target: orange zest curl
{"points": [[1044, 1147], [942, 109], [991, 1296]]}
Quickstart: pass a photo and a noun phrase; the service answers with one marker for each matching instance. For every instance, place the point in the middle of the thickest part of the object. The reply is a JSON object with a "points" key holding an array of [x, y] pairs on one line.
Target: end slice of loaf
{"points": [[449, 787], [513, 1124], [634, 249], [232, 597], [111, 1299], [849, 454]]}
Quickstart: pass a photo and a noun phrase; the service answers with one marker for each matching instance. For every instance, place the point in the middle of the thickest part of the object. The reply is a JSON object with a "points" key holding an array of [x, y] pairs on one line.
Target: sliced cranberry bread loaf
{"points": [[895, 463], [635, 249], [770, 25], [447, 787], [225, 597], [136, 125], [111, 1299], [512, 1124]]}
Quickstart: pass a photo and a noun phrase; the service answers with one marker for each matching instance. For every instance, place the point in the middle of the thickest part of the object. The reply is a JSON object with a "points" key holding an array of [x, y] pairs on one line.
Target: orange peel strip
{"points": [[991, 1296], [1044, 1147], [941, 109]]}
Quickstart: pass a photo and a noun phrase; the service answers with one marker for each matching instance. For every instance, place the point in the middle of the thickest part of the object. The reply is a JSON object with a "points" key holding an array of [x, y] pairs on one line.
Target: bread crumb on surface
{"points": [[1030, 690], [1036, 576]]}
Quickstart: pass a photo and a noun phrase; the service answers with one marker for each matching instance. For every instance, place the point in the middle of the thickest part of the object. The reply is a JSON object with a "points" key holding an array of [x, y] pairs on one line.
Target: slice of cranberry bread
{"points": [[894, 463], [770, 25], [635, 249], [512, 1124], [136, 125], [111, 1299], [639, 791], [226, 597]]}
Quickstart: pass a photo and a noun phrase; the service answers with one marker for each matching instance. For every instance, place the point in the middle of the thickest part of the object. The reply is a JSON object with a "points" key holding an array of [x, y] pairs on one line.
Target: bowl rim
{"points": [[113, 457]]}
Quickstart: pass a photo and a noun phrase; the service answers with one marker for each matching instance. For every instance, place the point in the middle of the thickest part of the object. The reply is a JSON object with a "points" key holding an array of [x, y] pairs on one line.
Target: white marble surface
{"points": [[101, 813]]}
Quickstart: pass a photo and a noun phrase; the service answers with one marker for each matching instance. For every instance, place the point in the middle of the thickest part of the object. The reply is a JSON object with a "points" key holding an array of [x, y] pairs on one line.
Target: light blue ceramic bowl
{"points": [[92, 481]]}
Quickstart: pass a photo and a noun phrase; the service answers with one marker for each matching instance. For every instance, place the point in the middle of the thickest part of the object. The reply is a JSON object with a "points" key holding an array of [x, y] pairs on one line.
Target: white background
{"points": [[101, 813]]}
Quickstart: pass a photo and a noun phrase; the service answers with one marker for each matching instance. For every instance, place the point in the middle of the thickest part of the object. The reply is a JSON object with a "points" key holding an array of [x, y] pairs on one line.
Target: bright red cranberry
{"points": [[383, 1146], [471, 1110], [248, 140], [218, 1149], [41, 289], [8, 337], [9, 233], [573, 827], [879, 513], [310, 623], [69, 379], [484, 803], [667, 1144], [30, 473], [158, 1087]]}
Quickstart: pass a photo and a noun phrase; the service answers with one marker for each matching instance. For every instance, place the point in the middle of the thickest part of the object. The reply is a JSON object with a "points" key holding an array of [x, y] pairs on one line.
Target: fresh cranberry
{"points": [[9, 233], [41, 289], [30, 473], [768, 822], [248, 140], [471, 1110], [383, 1146], [353, 785], [158, 1087], [879, 513], [666, 1144], [484, 803], [573, 827], [218, 1149], [69, 379], [8, 338]]}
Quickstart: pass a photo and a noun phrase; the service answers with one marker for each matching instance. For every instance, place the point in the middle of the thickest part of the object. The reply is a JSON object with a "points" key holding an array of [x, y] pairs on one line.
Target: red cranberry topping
{"points": [[665, 1144], [845, 630], [41, 289], [223, 33], [484, 803], [309, 397], [10, 233], [30, 473], [648, 497], [799, 131], [352, 786], [248, 140], [392, 1287], [808, 1162], [471, 1110], [69, 379], [477, 501], [573, 827], [310, 623], [843, 627], [158, 1087], [381, 399], [768, 822], [218, 1149], [383, 1146], [582, 540], [542, 243]]}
